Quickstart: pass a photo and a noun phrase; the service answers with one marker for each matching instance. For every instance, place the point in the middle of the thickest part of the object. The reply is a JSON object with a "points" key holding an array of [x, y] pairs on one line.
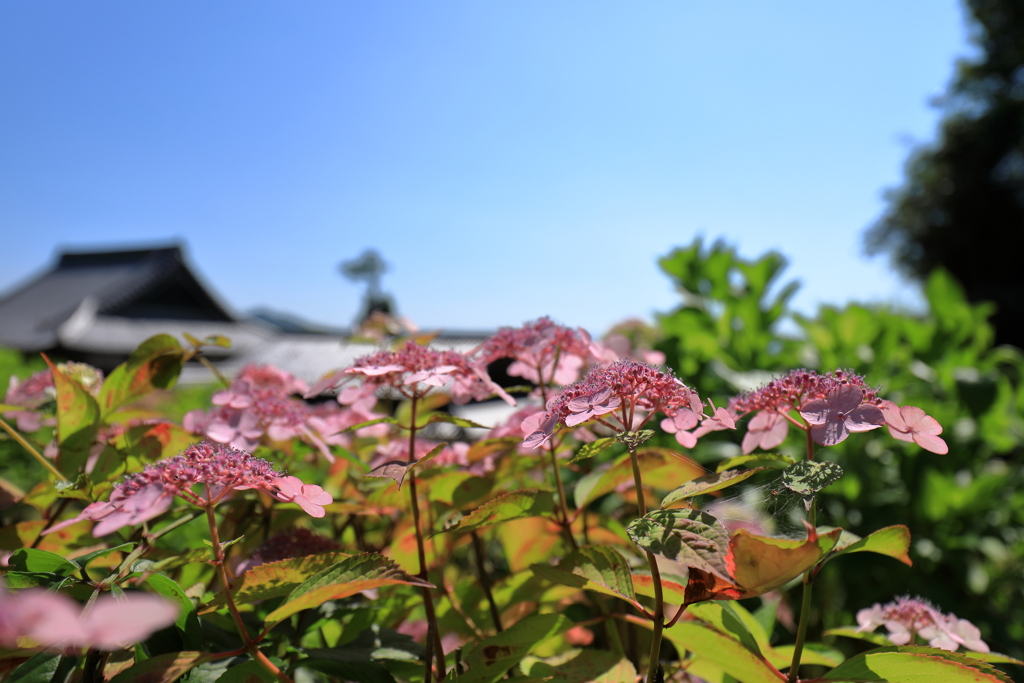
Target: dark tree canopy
{"points": [[962, 204]]}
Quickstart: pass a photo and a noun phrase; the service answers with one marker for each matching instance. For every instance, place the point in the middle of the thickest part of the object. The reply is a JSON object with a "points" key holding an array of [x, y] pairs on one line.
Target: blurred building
{"points": [[98, 306]]}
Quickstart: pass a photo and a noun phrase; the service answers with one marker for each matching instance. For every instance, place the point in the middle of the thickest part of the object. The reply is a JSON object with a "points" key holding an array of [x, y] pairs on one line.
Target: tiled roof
{"points": [[101, 282]]}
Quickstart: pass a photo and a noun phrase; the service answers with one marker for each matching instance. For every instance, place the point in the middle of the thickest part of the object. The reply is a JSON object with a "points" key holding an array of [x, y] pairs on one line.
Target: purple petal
{"points": [[864, 419], [817, 412]]}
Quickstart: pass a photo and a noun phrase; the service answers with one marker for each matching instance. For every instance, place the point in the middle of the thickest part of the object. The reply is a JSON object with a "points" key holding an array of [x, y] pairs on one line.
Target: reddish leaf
{"points": [[77, 420]]}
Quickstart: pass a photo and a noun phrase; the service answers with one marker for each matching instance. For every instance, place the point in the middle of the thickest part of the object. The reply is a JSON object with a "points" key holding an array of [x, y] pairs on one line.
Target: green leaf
{"points": [[806, 478], [84, 560], [492, 657], [360, 672], [224, 544], [776, 460], [596, 568], [348, 577], [813, 653], [673, 588], [891, 541], [77, 419], [44, 667], [209, 340], [187, 622], [457, 421], [589, 450], [915, 664], [993, 658], [867, 636], [434, 452], [721, 653], [370, 423], [162, 668], [35, 560], [690, 537], [708, 484], [661, 468], [733, 620], [587, 666], [513, 505], [247, 672], [156, 364]]}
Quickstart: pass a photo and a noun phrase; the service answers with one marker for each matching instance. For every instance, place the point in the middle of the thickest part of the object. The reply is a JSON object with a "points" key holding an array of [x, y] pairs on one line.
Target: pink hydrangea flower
{"points": [[32, 393], [907, 618], [310, 497], [634, 387], [543, 352], [910, 423], [839, 413], [214, 468], [261, 404], [56, 621], [414, 370]]}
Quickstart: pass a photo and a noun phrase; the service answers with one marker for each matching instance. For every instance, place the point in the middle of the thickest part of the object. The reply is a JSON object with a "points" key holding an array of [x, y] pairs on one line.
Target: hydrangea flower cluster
{"points": [[909, 617], [543, 352], [30, 394], [619, 390], [414, 371], [56, 621], [296, 542], [835, 405], [261, 403], [219, 468]]}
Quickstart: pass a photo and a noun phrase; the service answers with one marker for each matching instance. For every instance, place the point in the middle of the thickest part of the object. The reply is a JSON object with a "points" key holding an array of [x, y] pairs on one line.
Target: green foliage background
{"points": [[965, 509]]}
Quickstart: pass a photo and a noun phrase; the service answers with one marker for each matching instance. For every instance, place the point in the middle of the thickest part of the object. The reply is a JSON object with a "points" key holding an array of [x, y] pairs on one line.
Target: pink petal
{"points": [[686, 439], [864, 418], [845, 398], [374, 371], [112, 622], [829, 433], [893, 417], [919, 421], [932, 443], [816, 412]]}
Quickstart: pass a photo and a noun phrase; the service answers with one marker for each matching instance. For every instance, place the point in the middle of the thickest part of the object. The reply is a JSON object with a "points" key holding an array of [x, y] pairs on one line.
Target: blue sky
{"points": [[508, 159]]}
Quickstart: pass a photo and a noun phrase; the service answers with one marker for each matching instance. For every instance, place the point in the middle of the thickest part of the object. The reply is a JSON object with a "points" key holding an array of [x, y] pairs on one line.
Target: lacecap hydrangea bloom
{"points": [[907, 618], [214, 469], [623, 395], [834, 405]]}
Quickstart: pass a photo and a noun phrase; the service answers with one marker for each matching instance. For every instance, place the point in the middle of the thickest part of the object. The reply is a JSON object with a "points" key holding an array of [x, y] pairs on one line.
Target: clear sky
{"points": [[509, 159]]}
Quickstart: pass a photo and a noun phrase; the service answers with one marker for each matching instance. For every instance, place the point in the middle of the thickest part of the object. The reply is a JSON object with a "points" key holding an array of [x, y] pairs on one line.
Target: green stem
{"points": [[222, 573], [653, 665], [564, 521], [35, 454], [433, 643], [485, 582], [805, 609]]}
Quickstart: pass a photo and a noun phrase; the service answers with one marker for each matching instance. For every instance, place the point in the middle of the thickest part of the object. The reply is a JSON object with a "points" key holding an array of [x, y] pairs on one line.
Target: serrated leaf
{"points": [[721, 652], [807, 478], [492, 657], [588, 666], [77, 419], [35, 560], [708, 484], [274, 579], [891, 541], [155, 364], [162, 668], [776, 460], [348, 577], [589, 450], [508, 506], [661, 468], [690, 537], [187, 622], [434, 452], [915, 664], [597, 568]]}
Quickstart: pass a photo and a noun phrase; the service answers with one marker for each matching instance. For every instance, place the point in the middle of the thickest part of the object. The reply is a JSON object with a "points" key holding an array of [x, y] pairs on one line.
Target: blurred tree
{"points": [[962, 204], [369, 266]]}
